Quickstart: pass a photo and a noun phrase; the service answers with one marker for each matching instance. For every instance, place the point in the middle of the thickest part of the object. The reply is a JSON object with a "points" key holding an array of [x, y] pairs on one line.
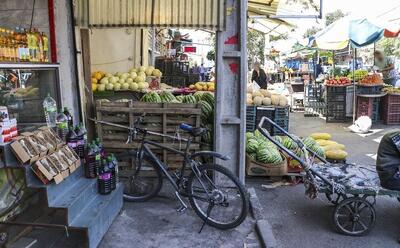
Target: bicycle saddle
{"points": [[194, 131]]}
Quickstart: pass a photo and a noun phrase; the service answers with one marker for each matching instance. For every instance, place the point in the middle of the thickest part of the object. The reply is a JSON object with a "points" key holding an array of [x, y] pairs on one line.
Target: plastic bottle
{"points": [[92, 161], [104, 179], [72, 140], [80, 133], [50, 110], [69, 118], [62, 126], [111, 166], [101, 148]]}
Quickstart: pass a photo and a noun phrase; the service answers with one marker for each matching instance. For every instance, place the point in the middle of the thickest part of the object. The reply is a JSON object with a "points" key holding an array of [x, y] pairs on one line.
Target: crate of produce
{"points": [[369, 106], [369, 89], [251, 118], [163, 118], [391, 109], [268, 112], [336, 112], [254, 168]]}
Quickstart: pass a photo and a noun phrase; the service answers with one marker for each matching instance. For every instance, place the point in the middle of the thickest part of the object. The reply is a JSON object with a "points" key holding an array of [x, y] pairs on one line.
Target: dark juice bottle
{"points": [[92, 161], [104, 179], [111, 167], [101, 148], [80, 141], [72, 140], [62, 126], [70, 120]]}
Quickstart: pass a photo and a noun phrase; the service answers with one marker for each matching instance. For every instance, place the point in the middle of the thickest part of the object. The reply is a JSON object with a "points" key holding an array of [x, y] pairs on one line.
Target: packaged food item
{"points": [[24, 150], [71, 155], [61, 167], [46, 171]]}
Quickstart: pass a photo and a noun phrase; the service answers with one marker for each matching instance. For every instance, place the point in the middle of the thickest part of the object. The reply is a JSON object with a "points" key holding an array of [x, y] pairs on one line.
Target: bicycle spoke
{"points": [[362, 225], [200, 198]]}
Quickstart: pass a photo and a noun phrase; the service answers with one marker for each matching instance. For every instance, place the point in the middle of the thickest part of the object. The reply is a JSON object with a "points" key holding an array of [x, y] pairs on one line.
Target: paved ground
{"points": [[298, 221], [157, 224]]}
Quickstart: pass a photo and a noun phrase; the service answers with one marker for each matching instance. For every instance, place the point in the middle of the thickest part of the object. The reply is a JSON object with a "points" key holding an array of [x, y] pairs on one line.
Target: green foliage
{"points": [[311, 31], [255, 47], [390, 46], [307, 4], [278, 37], [333, 16]]}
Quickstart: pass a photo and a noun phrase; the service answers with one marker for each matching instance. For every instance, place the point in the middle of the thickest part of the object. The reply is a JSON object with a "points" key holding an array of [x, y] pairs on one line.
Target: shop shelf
{"points": [[365, 90]]}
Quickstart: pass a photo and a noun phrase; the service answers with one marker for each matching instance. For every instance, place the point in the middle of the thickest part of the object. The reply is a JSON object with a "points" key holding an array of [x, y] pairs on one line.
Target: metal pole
{"points": [[153, 46], [230, 96], [354, 84]]}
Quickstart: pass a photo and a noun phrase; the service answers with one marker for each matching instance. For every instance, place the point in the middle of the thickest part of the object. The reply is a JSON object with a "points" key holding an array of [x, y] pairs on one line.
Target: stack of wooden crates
{"points": [[163, 118]]}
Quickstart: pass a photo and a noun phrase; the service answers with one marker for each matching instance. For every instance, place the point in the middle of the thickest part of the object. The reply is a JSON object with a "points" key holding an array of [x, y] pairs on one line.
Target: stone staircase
{"points": [[78, 206]]}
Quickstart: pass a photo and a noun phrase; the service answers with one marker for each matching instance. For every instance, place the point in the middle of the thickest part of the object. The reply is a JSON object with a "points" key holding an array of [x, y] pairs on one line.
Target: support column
{"points": [[231, 79]]}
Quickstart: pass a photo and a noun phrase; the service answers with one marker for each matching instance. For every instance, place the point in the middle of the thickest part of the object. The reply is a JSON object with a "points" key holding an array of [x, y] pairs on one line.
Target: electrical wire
{"points": [[33, 13], [112, 62]]}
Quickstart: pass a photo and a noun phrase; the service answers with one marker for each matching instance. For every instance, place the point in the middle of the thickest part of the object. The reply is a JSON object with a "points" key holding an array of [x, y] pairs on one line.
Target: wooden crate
{"points": [[163, 118]]}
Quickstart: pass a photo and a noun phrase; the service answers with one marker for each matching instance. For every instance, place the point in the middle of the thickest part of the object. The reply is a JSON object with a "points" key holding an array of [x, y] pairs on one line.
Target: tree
{"points": [[278, 37], [307, 4], [255, 47], [390, 46], [311, 31], [334, 16]]}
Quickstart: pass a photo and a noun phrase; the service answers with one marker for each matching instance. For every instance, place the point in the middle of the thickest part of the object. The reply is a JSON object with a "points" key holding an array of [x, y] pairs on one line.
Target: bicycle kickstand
{"points": [[184, 206]]}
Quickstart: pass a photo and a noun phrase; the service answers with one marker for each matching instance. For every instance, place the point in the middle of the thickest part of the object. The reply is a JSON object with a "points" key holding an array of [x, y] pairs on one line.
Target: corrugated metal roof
{"points": [[263, 7], [207, 14]]}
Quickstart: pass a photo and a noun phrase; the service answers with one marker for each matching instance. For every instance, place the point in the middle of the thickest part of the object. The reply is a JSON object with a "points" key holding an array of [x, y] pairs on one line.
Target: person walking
{"points": [[259, 76], [202, 73]]}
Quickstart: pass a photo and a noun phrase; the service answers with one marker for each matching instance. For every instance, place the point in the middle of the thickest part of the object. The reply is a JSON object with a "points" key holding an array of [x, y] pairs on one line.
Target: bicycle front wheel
{"points": [[218, 197]]}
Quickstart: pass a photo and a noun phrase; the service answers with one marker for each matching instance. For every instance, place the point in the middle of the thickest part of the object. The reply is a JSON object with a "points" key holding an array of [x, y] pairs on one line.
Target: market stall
{"points": [[355, 33]]}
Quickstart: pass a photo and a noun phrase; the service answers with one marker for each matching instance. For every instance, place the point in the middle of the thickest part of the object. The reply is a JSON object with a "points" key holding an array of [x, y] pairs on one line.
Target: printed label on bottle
{"points": [[62, 125], [105, 176], [98, 157], [81, 142], [72, 144]]}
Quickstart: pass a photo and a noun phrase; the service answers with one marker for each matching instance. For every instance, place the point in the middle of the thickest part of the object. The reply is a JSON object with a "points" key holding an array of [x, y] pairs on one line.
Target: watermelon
{"points": [[189, 99], [289, 143], [278, 139], [269, 156], [180, 98], [167, 96], [208, 97], [252, 146], [198, 95], [318, 150], [309, 142], [249, 135]]}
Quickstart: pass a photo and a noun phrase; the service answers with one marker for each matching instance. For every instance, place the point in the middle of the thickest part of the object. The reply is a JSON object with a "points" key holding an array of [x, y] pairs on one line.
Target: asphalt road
{"points": [[300, 222]]}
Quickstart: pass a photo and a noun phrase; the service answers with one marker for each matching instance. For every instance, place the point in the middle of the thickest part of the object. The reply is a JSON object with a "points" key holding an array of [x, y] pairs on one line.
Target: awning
{"points": [[354, 32], [263, 7]]}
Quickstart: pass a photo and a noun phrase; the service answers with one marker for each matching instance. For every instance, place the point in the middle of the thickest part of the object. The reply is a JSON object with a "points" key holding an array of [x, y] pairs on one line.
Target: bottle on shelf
{"points": [[101, 148], [72, 139], [69, 118], [92, 161], [50, 111], [111, 163], [80, 133], [62, 126], [104, 179]]}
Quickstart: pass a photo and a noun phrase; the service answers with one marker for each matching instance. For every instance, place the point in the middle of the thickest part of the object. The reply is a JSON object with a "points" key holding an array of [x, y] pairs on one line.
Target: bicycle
{"points": [[202, 187]]}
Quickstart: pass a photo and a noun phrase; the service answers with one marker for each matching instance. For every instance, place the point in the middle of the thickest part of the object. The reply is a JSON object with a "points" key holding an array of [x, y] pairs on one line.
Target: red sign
{"points": [[190, 49]]}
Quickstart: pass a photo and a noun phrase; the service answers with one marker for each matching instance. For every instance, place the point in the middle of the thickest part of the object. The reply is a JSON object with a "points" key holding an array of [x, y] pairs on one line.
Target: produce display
{"points": [[134, 80], [374, 79], [337, 81], [333, 150], [391, 90], [22, 93], [203, 86], [265, 98], [262, 150], [358, 74]]}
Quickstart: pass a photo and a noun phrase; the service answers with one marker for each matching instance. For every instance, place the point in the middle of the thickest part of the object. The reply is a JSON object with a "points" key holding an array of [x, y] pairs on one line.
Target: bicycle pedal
{"points": [[182, 209]]}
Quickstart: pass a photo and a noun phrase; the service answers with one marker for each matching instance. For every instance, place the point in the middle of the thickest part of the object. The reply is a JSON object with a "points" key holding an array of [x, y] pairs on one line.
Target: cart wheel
{"points": [[354, 216], [334, 198]]}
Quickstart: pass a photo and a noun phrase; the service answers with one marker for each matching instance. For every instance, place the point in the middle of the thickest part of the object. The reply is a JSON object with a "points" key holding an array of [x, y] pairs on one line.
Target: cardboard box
{"points": [[46, 172], [51, 135], [254, 168], [5, 127], [50, 144], [42, 148], [58, 162], [24, 151]]}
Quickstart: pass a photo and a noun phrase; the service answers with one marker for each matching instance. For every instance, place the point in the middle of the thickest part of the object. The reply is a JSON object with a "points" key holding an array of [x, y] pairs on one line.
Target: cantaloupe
{"points": [[282, 101], [323, 142], [258, 100], [249, 95], [264, 92], [266, 101], [249, 101], [334, 147], [257, 93], [275, 100]]}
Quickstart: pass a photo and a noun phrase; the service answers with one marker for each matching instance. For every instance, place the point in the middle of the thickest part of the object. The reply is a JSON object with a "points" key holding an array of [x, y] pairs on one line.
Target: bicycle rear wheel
{"points": [[142, 180], [221, 203]]}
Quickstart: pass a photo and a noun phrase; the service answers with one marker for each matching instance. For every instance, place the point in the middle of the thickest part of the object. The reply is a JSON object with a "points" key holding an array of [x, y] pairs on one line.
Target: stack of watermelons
{"points": [[262, 150]]}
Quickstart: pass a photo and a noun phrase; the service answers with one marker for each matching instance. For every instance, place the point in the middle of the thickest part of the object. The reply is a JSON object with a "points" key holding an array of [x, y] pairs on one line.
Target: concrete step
{"points": [[98, 215], [53, 190], [76, 198]]}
